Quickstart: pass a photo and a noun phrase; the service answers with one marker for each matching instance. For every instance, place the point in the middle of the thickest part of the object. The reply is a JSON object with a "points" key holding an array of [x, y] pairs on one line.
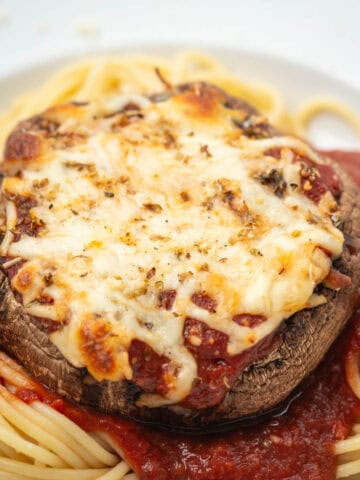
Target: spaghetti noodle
{"points": [[36, 440], [106, 76]]}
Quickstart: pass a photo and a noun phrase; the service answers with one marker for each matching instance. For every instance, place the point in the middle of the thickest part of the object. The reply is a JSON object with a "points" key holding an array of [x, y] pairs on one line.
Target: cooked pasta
{"points": [[37, 442]]}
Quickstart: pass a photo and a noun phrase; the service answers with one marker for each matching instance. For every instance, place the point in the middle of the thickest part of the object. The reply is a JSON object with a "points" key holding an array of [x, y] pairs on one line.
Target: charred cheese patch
{"points": [[201, 103], [150, 213], [22, 146], [103, 349]]}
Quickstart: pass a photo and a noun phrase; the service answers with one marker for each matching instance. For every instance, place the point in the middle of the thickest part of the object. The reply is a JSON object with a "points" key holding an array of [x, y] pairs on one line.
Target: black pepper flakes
{"points": [[274, 179], [253, 126]]}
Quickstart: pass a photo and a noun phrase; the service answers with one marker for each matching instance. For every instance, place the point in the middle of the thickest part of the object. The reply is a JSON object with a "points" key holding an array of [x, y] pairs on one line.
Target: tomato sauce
{"points": [[217, 370], [296, 445], [350, 161]]}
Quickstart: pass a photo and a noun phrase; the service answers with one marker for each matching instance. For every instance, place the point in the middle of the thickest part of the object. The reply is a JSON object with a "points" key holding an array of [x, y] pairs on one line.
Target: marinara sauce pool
{"points": [[296, 445]]}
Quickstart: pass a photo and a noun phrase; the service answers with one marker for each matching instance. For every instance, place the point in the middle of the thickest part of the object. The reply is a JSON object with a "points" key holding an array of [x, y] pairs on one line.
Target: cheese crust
{"points": [[127, 216]]}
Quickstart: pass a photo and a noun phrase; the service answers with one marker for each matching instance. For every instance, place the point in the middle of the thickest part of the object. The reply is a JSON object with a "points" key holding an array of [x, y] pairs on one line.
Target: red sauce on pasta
{"points": [[296, 445]]}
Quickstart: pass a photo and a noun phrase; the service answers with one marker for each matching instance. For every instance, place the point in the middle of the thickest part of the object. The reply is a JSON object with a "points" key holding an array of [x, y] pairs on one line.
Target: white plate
{"points": [[296, 82]]}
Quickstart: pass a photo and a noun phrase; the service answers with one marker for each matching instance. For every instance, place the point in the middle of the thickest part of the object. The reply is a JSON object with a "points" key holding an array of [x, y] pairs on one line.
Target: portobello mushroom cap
{"points": [[300, 345]]}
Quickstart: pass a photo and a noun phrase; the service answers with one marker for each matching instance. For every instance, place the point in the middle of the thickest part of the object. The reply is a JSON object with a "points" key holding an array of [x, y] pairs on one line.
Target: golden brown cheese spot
{"points": [[284, 262], [201, 101], [224, 295], [50, 126], [40, 124], [95, 348], [13, 187], [102, 350], [61, 113], [29, 282], [23, 280], [22, 146], [185, 197], [153, 207]]}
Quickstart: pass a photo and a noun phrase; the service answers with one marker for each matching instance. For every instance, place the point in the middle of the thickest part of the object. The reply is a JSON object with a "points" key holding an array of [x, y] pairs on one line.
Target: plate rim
{"points": [[65, 56]]}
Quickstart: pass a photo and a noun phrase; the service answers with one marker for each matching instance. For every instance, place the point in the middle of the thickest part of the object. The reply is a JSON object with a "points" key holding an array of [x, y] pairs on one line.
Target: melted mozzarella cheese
{"points": [[176, 196]]}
